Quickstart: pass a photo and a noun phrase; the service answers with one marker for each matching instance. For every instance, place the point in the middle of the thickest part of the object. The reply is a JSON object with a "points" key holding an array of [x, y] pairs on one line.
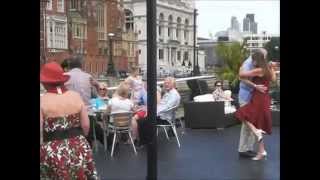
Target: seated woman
{"points": [[219, 94], [103, 91], [120, 101]]}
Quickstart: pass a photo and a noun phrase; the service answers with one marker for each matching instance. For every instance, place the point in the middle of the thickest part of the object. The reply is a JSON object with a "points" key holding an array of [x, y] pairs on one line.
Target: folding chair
{"points": [[121, 124], [170, 123]]}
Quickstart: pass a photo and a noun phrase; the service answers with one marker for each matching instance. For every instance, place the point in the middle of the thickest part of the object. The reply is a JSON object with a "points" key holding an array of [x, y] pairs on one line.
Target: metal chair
{"points": [[170, 123], [92, 124], [121, 124]]}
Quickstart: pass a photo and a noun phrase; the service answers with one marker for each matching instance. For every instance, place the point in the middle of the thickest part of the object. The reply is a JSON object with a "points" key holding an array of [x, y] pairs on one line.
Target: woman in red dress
{"points": [[64, 123], [256, 114]]}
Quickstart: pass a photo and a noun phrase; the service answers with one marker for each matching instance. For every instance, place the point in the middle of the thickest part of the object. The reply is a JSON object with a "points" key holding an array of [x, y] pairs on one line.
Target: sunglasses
{"points": [[218, 85], [103, 89]]}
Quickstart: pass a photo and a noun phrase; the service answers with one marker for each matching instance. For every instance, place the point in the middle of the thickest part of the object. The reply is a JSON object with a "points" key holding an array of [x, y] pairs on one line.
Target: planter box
{"points": [[207, 115], [275, 118]]}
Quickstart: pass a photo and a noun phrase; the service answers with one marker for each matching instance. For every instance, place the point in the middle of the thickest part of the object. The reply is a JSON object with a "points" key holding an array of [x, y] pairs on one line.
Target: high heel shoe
{"points": [[259, 133], [260, 156]]}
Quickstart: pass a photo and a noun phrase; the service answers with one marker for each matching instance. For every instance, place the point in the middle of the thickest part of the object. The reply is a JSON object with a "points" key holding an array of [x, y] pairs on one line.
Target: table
{"points": [[92, 112]]}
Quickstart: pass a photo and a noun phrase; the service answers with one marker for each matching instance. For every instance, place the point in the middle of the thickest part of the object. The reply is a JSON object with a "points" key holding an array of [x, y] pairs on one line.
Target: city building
{"points": [[43, 5], [89, 29], [175, 31], [56, 30], [229, 35], [235, 24], [208, 46], [255, 41], [249, 25]]}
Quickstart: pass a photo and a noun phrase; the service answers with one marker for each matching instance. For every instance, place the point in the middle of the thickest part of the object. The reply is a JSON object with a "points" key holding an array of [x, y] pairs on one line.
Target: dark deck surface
{"points": [[204, 154]]}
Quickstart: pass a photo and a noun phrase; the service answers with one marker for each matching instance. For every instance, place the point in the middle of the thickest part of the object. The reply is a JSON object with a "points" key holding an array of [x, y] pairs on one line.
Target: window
{"points": [[186, 31], [161, 22], [101, 22], [49, 5], [179, 55], [129, 20], [74, 4], [160, 53], [159, 30], [79, 31], [60, 5], [186, 56], [178, 28], [57, 34], [97, 67], [170, 26]]}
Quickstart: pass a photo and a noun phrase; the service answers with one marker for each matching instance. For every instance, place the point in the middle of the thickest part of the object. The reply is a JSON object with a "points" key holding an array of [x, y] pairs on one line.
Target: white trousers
{"points": [[247, 138]]}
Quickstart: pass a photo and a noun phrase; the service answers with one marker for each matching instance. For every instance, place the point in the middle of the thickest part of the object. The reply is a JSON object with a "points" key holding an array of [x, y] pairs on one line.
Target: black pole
{"points": [[195, 67], [151, 87], [110, 63], [198, 61]]}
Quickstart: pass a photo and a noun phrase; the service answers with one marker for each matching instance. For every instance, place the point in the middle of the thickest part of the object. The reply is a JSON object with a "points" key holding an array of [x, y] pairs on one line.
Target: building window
{"points": [[179, 55], [101, 22], [129, 20], [57, 34], [97, 67], [161, 54], [159, 30], [186, 32], [79, 31], [74, 4], [186, 56], [49, 5], [139, 51], [178, 28], [60, 5], [161, 22], [170, 26]]}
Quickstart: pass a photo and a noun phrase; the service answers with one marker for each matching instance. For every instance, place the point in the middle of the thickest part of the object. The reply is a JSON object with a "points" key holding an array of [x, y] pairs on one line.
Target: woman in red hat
{"points": [[64, 123]]}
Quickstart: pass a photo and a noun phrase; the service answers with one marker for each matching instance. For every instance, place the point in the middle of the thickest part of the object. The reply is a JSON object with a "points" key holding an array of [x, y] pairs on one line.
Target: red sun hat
{"points": [[52, 73]]}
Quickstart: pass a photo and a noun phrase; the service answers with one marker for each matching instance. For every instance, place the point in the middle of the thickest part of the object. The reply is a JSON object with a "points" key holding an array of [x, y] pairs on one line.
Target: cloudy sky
{"points": [[215, 15]]}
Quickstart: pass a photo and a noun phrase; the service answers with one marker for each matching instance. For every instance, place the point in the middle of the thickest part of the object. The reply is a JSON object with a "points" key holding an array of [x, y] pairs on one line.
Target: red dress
{"points": [[257, 111]]}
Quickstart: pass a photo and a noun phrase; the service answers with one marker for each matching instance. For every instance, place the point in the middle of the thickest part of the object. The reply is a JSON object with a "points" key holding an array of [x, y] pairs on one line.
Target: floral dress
{"points": [[67, 159]]}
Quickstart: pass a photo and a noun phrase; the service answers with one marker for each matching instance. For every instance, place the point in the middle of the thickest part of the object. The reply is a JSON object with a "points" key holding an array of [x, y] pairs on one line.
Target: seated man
{"points": [[170, 99]]}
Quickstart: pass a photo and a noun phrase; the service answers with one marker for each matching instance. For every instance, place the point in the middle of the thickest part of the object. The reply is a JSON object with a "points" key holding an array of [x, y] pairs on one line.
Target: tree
{"points": [[232, 55], [273, 48]]}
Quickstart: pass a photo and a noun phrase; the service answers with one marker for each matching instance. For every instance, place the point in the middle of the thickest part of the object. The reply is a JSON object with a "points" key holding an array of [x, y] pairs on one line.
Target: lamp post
{"points": [[110, 70], [195, 67]]}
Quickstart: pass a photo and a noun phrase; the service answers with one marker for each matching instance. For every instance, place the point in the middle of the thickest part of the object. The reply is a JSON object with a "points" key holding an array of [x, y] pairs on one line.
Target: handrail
{"points": [[177, 80]]}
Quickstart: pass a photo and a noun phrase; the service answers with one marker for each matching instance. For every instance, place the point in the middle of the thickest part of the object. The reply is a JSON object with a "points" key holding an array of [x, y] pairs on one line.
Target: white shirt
{"points": [[170, 99], [120, 105], [80, 82]]}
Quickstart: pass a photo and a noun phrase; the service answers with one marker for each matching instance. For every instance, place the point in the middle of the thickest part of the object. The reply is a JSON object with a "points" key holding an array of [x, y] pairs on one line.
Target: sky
{"points": [[215, 15]]}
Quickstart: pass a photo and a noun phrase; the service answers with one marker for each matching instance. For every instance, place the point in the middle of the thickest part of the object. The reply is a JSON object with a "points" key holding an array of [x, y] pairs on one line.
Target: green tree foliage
{"points": [[232, 55], [273, 48]]}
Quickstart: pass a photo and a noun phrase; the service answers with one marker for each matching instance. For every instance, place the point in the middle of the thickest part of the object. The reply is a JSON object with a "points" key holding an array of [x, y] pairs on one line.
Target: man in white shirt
{"points": [[83, 83], [80, 81], [169, 100]]}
